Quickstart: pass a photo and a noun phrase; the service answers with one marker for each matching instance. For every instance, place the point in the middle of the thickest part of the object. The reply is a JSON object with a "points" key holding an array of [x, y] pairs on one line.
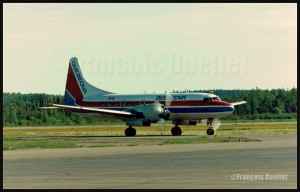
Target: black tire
{"points": [[179, 131], [129, 132], [176, 131], [173, 131], [210, 131], [133, 131]]}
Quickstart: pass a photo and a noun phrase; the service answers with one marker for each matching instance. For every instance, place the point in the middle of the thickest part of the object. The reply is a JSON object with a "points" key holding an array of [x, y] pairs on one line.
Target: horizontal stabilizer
{"points": [[238, 103]]}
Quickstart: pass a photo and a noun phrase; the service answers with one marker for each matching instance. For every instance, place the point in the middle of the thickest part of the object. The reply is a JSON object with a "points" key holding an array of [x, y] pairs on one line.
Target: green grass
{"points": [[12, 143], [132, 144], [93, 136]]}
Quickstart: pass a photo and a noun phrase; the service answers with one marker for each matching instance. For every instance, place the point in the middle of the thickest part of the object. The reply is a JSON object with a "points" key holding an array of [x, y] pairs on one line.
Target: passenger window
{"points": [[122, 103]]}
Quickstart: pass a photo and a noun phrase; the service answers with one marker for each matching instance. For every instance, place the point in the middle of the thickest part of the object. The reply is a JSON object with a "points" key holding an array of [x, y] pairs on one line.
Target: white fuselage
{"points": [[183, 106]]}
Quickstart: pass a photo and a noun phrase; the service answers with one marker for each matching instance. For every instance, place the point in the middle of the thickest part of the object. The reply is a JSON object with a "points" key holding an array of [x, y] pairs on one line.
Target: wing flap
{"points": [[101, 111]]}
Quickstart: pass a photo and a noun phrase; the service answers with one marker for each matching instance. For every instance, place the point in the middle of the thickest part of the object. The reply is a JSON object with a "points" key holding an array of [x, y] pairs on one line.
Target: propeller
{"points": [[166, 114], [216, 123], [161, 125], [169, 99]]}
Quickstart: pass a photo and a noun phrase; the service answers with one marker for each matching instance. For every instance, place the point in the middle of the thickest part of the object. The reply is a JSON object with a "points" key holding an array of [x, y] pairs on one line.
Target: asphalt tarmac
{"points": [[268, 164]]}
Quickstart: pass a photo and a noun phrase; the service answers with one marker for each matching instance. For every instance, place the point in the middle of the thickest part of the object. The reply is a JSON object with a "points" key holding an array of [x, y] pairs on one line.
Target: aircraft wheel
{"points": [[179, 131], [210, 131], [176, 131], [130, 132], [133, 132]]}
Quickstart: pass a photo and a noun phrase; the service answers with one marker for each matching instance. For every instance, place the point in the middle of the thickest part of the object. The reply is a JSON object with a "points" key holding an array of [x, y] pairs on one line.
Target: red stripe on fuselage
{"points": [[72, 85], [198, 103], [173, 103]]}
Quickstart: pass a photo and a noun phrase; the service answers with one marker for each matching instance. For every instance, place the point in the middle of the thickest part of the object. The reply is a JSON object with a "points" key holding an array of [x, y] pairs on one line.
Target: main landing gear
{"points": [[176, 131], [210, 130], [130, 131]]}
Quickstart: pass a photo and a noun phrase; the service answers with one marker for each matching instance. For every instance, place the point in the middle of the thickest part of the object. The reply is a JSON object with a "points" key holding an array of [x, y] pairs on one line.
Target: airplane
{"points": [[141, 109]]}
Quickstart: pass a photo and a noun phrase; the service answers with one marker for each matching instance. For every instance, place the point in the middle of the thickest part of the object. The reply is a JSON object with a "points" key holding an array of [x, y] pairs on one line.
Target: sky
{"points": [[137, 48]]}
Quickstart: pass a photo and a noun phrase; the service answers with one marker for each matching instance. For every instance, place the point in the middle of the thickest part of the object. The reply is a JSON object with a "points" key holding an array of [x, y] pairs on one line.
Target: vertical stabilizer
{"points": [[77, 87]]}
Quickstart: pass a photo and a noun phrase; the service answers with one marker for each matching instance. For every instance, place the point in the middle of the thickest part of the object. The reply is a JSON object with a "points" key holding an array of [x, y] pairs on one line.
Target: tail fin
{"points": [[76, 86]]}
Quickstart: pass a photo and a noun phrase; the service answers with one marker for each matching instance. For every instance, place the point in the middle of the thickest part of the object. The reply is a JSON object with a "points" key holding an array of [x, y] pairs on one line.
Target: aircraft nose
{"points": [[232, 108]]}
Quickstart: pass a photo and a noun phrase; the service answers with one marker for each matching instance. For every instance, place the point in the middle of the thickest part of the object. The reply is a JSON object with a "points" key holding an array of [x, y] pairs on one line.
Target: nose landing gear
{"points": [[210, 130]]}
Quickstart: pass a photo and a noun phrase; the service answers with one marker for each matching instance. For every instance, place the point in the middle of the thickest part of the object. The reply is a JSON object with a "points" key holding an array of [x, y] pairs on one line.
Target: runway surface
{"points": [[235, 165]]}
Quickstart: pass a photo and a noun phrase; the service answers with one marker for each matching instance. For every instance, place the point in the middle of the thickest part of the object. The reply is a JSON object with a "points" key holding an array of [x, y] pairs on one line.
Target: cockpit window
{"points": [[216, 98], [207, 99], [210, 99]]}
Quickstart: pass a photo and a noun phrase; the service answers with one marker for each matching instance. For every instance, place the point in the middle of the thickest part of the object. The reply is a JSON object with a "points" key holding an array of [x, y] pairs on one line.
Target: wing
{"points": [[93, 110], [238, 103], [48, 107]]}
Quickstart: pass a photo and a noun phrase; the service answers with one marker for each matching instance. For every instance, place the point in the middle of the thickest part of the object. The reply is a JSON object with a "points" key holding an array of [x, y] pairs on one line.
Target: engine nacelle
{"points": [[150, 112], [138, 123], [185, 122]]}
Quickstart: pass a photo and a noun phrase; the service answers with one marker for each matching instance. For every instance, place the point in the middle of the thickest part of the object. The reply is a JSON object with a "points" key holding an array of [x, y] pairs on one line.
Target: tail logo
{"points": [[79, 77]]}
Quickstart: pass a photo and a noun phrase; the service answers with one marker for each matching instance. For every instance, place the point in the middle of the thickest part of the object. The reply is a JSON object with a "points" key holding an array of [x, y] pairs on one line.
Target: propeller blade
{"points": [[169, 99], [161, 122], [216, 123], [161, 125]]}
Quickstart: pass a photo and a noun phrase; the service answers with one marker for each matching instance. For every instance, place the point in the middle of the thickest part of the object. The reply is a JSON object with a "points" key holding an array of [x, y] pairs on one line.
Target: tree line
{"points": [[261, 104], [22, 109]]}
